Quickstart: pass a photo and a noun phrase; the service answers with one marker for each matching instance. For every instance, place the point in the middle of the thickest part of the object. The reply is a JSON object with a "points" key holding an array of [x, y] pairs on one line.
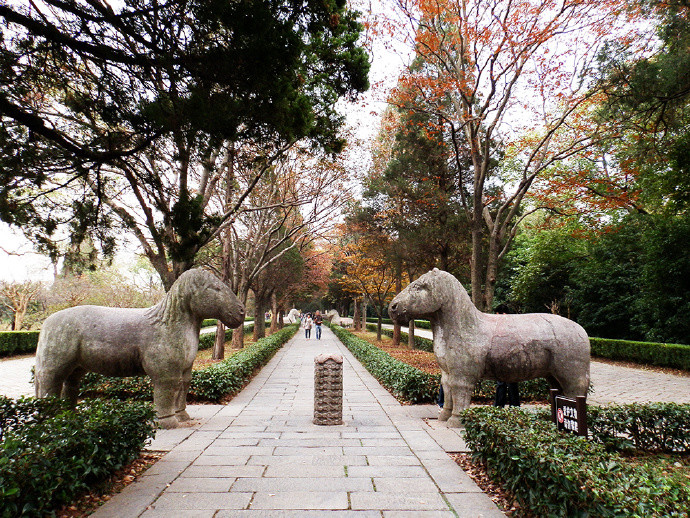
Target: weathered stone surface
{"points": [[292, 317], [328, 389], [471, 345], [161, 341], [334, 318]]}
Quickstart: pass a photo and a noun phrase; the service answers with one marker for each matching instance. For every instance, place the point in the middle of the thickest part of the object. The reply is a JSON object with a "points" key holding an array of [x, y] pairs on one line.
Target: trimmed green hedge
{"points": [[18, 342], [50, 454], [650, 353], [209, 384], [421, 343], [229, 376], [557, 474], [658, 427], [423, 324], [402, 380]]}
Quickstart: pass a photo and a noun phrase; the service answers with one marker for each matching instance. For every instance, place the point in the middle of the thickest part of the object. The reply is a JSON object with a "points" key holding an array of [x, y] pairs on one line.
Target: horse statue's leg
{"points": [[165, 394], [181, 403], [48, 382], [70, 387], [461, 394], [447, 409]]}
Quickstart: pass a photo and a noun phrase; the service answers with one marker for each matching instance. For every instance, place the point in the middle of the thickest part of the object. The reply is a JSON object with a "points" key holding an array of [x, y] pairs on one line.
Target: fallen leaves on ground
{"points": [[89, 502], [477, 472], [423, 360]]}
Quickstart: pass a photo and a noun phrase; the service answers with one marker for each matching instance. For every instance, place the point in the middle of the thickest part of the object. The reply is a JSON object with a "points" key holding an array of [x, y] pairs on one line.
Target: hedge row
{"points": [[421, 343], [402, 380], [657, 427], [557, 474], [423, 324], [18, 342], [209, 384], [650, 353], [530, 390], [50, 454], [229, 376]]}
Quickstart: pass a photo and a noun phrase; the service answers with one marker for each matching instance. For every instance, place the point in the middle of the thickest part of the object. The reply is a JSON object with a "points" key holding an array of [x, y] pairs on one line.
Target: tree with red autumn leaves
{"points": [[513, 73]]}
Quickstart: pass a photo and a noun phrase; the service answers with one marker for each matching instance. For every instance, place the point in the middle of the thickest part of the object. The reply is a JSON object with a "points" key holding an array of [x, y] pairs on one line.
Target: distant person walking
{"points": [[318, 320], [306, 324]]}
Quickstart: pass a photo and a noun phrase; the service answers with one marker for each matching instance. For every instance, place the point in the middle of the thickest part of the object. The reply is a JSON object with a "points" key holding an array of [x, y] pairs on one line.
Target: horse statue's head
{"points": [[331, 314], [209, 297], [423, 297]]}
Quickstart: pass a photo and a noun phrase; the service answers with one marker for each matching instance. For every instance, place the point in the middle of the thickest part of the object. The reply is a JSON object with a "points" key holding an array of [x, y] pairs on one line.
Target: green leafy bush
{"points": [[209, 322], [209, 384], [402, 380], [50, 454], [423, 324], [649, 353], [660, 427], [18, 342], [421, 343], [556, 474], [229, 376]]}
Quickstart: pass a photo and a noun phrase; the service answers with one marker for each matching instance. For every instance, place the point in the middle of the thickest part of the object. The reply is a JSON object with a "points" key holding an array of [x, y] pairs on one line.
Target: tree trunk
{"points": [[281, 322], [219, 345], [491, 274], [357, 317], [274, 313], [259, 317], [19, 319], [476, 269], [238, 338], [364, 315], [398, 289], [410, 335], [378, 327]]}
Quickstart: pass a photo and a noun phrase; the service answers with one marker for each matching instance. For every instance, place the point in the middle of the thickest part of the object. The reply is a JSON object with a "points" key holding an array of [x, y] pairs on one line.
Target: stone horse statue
{"points": [[161, 341], [293, 316], [470, 345], [334, 318]]}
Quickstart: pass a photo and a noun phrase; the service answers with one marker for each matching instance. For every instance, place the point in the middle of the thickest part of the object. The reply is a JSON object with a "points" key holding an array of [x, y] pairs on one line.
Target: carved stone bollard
{"points": [[328, 389]]}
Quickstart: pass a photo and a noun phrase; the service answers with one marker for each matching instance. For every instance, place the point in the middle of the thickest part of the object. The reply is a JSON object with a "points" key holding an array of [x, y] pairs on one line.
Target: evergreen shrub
{"points": [[553, 473], [50, 454], [404, 381], [649, 353], [654, 427], [18, 342]]}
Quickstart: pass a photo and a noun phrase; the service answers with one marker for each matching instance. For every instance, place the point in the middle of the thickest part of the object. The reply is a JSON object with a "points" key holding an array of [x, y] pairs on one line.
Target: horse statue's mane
{"points": [[170, 306], [451, 290]]}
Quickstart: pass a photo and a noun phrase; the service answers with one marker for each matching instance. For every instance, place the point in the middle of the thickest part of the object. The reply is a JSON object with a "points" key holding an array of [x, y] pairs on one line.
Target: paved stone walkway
{"points": [[261, 455], [15, 377]]}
